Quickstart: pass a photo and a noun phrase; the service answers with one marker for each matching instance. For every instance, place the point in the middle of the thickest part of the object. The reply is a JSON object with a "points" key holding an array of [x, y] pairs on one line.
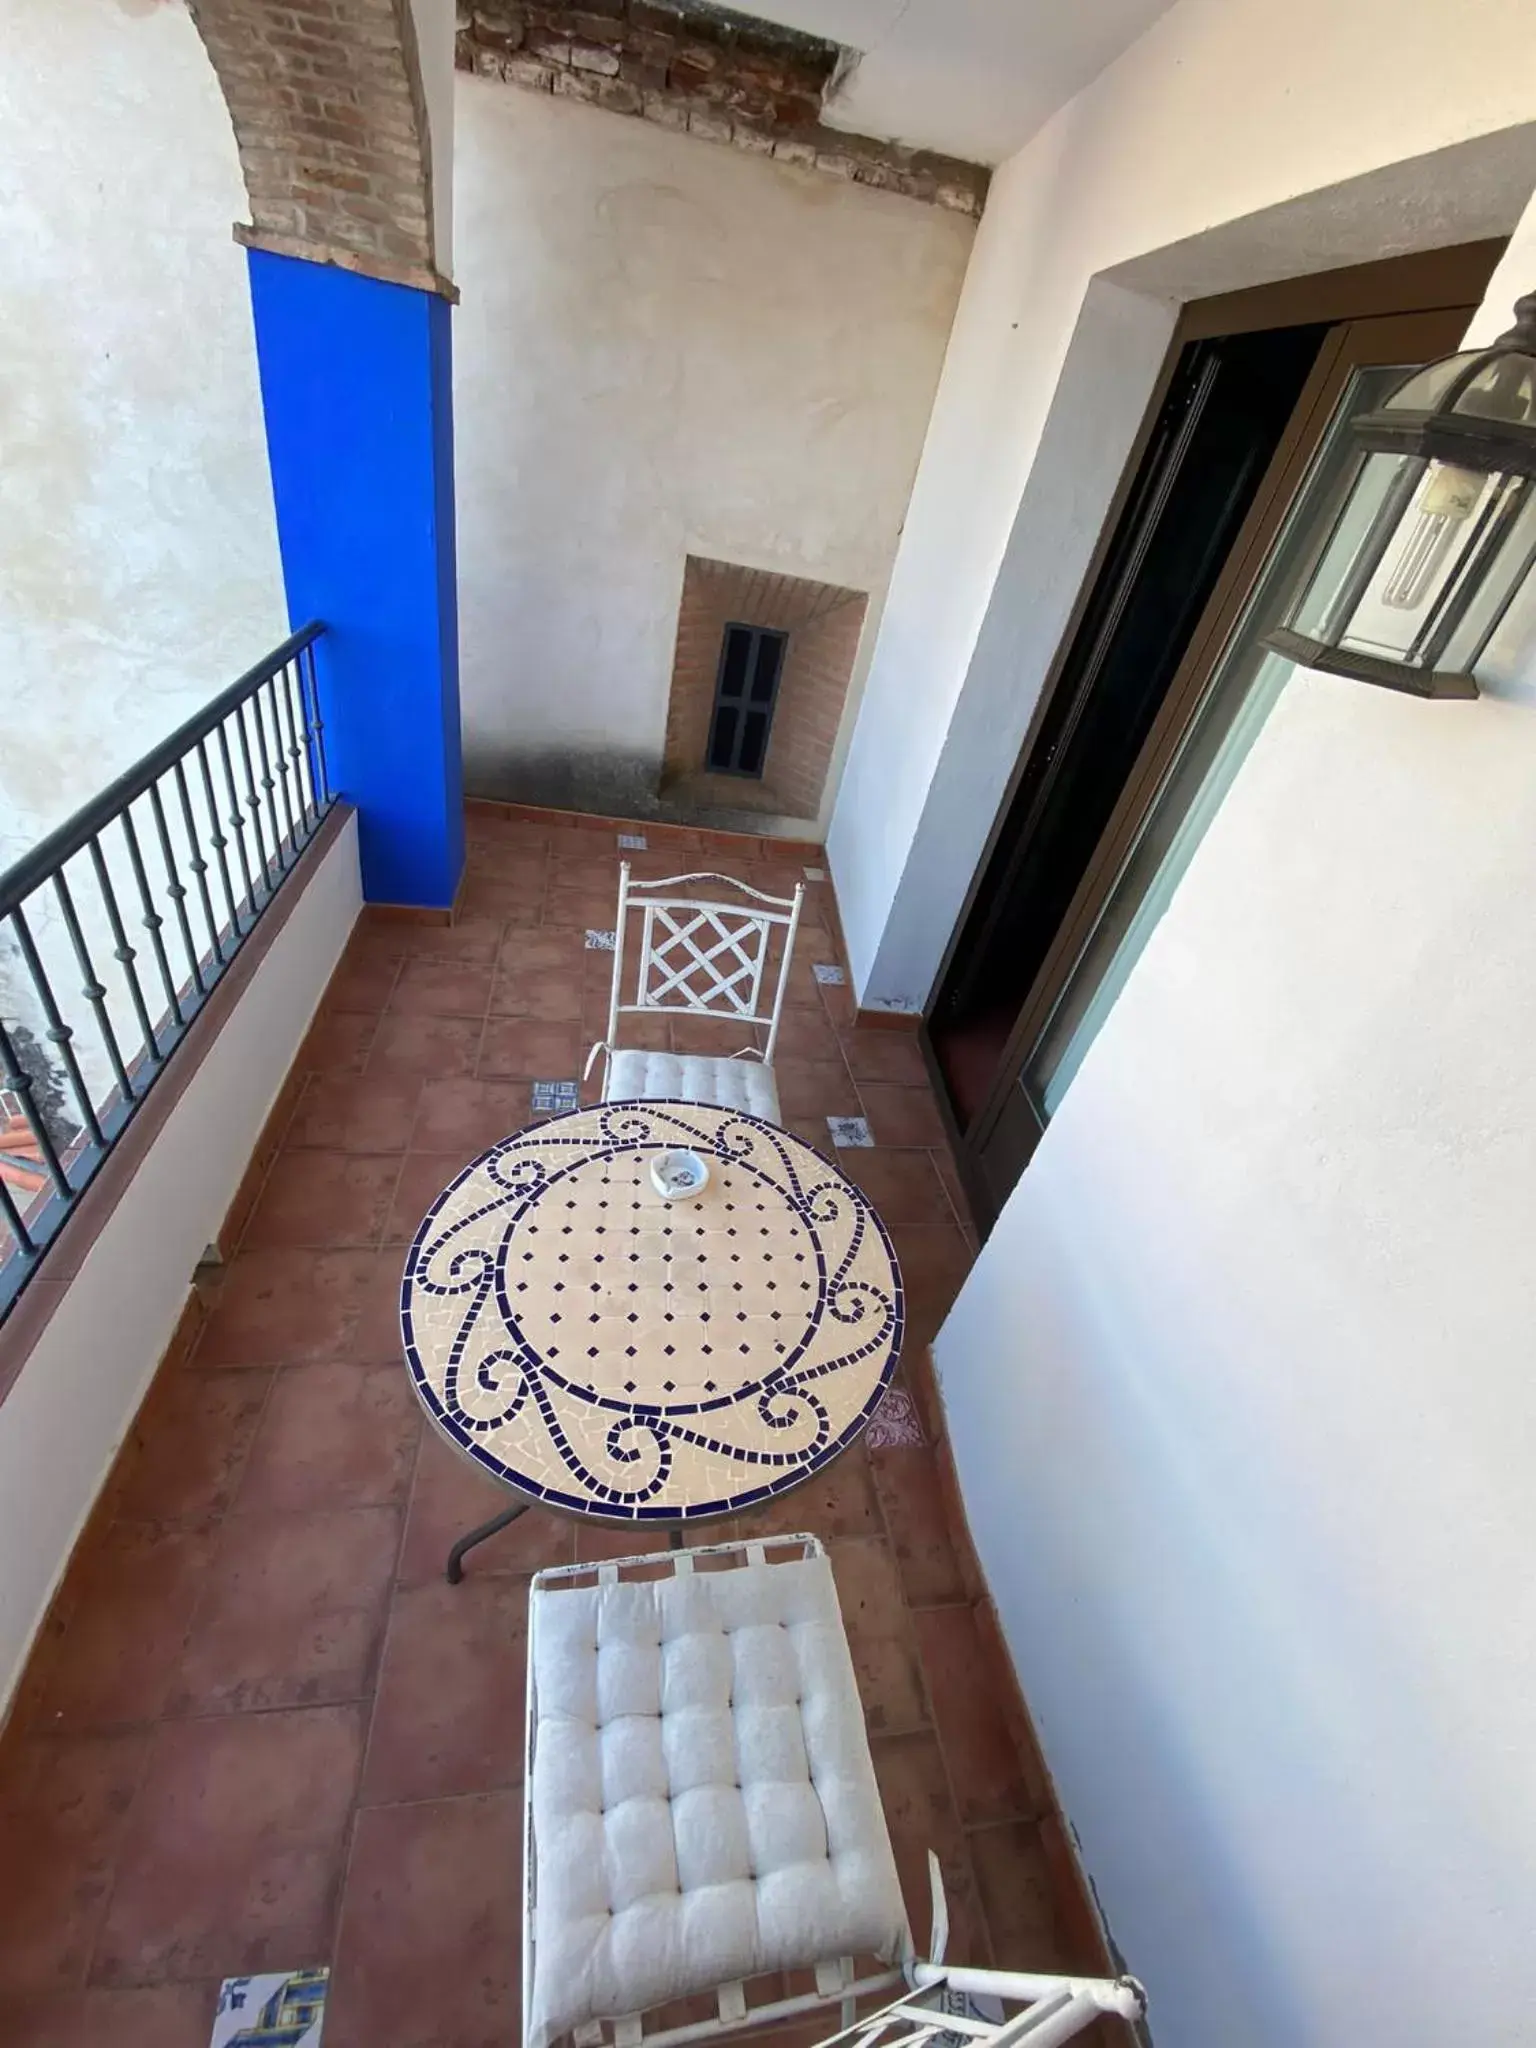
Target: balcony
{"points": [[258, 1730]]}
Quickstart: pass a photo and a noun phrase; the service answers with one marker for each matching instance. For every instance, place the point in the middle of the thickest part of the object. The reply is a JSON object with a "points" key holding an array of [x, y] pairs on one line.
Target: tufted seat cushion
{"points": [[728, 1084], [703, 1803]]}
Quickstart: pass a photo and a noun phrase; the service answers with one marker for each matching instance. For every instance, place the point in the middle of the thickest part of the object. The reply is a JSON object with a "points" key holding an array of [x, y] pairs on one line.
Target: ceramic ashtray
{"points": [[679, 1176]]}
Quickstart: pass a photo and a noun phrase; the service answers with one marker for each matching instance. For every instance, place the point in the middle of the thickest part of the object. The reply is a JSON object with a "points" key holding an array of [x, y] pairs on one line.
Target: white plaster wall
{"points": [[1213, 125], [664, 347], [434, 23], [1241, 1396], [138, 551], [62, 1421]]}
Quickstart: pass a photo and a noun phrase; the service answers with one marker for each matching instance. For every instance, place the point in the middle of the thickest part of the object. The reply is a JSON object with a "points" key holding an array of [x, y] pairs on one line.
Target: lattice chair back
{"points": [[703, 956]]}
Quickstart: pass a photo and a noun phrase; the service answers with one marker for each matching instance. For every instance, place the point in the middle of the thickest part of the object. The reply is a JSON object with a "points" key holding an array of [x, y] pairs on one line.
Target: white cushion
{"points": [[689, 1077], [704, 1806]]}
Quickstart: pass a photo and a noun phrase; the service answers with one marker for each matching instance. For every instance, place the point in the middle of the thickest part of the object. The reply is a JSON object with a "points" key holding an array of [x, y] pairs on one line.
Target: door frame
{"points": [[1417, 303]]}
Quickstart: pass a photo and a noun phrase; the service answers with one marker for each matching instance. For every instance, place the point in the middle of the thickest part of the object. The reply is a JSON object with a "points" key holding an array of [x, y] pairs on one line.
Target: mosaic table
{"points": [[602, 1350]]}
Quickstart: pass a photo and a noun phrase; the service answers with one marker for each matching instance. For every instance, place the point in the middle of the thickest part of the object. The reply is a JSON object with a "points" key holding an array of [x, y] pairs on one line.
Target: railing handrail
{"points": [[66, 840]]}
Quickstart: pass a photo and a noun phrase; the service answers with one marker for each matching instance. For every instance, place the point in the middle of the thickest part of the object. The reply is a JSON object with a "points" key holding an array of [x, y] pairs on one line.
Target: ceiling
{"points": [[974, 78]]}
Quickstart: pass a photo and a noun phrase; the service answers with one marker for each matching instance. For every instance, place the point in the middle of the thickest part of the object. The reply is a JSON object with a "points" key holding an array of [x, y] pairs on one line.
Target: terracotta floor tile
{"points": [[507, 905], [449, 1498], [355, 1113], [233, 1857], [874, 1054], [423, 1177], [531, 1049], [276, 1307], [338, 1041], [324, 1199], [581, 908], [907, 1482], [835, 1502], [167, 2016], [188, 1446], [900, 1115], [293, 1613], [112, 1664], [596, 1540], [815, 1088], [431, 1927], [468, 1117], [428, 1046], [334, 1436], [920, 1814], [713, 1037], [449, 1713], [63, 1810], [540, 952], [903, 1185], [363, 981], [880, 1635], [1013, 1879], [807, 1035], [376, 1338], [474, 940], [583, 870], [553, 994], [441, 988], [969, 1714]]}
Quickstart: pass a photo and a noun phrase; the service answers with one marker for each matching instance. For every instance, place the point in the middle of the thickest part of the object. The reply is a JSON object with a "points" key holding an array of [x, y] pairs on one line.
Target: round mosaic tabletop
{"points": [[600, 1348]]}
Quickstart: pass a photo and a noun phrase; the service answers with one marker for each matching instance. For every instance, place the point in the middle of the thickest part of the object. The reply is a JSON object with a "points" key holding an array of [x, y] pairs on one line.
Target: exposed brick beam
{"points": [[721, 76], [331, 126]]}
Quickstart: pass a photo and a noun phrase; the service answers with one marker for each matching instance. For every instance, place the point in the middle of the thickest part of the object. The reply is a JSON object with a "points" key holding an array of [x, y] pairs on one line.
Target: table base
{"points": [[467, 1543]]}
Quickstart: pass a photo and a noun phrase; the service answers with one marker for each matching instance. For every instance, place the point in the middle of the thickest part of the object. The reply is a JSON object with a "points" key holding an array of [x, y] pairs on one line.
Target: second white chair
{"points": [[700, 958]]}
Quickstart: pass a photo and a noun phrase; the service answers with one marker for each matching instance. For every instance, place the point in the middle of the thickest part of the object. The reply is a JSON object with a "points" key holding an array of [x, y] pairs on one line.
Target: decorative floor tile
{"points": [[601, 942], [848, 1131], [283, 2006], [634, 841], [894, 1425], [829, 974], [814, 874], [554, 1096]]}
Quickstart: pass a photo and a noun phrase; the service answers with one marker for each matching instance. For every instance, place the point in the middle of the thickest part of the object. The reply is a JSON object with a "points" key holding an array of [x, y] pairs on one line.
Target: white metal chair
{"points": [[699, 958], [701, 1814]]}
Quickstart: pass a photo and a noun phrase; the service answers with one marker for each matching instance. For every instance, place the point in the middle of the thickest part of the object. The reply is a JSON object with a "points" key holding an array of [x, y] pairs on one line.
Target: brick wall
{"points": [[722, 76], [329, 119], [823, 623]]}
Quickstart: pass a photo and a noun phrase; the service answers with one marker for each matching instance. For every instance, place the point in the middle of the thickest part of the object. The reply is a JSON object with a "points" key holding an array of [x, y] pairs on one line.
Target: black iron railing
{"points": [[117, 928]]}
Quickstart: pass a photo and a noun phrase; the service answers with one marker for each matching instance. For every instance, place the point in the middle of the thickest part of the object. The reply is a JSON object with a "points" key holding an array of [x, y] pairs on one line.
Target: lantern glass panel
{"points": [[1504, 391], [1424, 390], [1512, 548], [1416, 549]]}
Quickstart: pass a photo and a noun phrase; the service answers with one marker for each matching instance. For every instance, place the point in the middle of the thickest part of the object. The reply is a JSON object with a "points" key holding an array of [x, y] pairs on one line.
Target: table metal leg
{"points": [[467, 1543]]}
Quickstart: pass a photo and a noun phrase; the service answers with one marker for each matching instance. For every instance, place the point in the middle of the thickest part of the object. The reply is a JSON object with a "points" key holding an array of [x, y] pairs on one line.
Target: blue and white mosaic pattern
{"points": [[284, 2009], [604, 1350]]}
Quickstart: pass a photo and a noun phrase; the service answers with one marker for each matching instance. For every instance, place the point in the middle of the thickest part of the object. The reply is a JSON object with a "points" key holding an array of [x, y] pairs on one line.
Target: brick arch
{"points": [[331, 125]]}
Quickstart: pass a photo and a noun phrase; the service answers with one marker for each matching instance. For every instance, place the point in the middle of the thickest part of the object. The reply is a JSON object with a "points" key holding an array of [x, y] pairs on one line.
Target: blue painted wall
{"points": [[356, 382]]}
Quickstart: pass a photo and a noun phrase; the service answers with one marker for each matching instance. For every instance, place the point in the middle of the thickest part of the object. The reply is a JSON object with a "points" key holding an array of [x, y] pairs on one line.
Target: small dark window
{"points": [[746, 688]]}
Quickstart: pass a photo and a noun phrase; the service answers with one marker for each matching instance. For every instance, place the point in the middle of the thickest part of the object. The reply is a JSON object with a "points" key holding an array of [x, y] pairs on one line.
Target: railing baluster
{"points": [[14, 1223], [58, 1031], [273, 799], [314, 726], [290, 838], [24, 1088], [268, 780], [219, 844], [152, 920], [237, 822], [295, 751], [253, 801], [196, 862], [93, 988], [124, 953], [175, 887]]}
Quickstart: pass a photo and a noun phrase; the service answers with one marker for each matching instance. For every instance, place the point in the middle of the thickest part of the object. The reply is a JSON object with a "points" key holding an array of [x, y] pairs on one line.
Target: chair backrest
{"points": [[702, 956]]}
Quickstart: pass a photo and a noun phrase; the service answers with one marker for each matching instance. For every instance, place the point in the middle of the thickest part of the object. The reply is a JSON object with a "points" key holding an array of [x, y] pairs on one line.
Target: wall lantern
{"points": [[1435, 529]]}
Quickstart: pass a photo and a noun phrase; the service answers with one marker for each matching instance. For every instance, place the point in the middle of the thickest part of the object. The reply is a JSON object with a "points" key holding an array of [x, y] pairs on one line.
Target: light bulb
{"points": [[1448, 498]]}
